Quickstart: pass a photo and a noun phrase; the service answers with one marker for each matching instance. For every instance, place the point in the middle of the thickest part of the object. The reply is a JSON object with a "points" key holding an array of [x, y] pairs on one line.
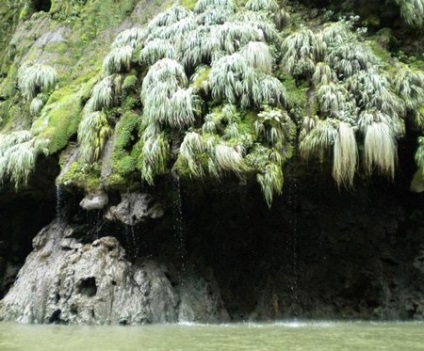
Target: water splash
{"points": [[178, 224]]}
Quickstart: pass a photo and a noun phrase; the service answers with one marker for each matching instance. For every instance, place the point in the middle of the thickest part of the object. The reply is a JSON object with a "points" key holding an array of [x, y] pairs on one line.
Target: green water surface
{"points": [[284, 336]]}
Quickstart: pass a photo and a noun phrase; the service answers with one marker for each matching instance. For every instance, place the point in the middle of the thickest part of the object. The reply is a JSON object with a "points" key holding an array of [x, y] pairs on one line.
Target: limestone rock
{"points": [[65, 281], [95, 201], [134, 208]]}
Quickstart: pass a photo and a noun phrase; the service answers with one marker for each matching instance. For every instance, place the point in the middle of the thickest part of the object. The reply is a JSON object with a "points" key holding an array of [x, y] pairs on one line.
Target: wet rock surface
{"points": [[135, 208], [65, 281], [218, 253]]}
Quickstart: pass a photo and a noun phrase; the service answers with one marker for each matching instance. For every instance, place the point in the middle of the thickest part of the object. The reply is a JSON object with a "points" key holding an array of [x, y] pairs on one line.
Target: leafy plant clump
{"points": [[222, 91]]}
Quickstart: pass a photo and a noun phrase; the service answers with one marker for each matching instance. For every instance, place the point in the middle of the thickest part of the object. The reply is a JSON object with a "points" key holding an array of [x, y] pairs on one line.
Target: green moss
{"points": [[189, 4], [60, 117], [82, 176], [8, 85], [202, 75], [124, 156], [130, 83]]}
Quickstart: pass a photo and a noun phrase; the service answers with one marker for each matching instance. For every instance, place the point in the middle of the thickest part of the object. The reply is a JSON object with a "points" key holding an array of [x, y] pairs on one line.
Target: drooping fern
{"points": [[36, 78], [18, 154]]}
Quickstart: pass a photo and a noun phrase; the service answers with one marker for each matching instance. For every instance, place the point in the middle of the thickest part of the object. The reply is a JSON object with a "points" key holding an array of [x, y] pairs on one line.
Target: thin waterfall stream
{"points": [[178, 225], [292, 238]]}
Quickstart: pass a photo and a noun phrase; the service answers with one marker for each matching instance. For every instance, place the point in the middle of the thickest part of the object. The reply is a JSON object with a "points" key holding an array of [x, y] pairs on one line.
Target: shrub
{"points": [[258, 56], [130, 37], [93, 132], [233, 80], [18, 154], [412, 11], [165, 100], [118, 60], [153, 157], [380, 149], [156, 50], [229, 159], [270, 6], [319, 139], [202, 5], [190, 150], [350, 58], [419, 155], [301, 51], [345, 158], [103, 95], [36, 78], [409, 86], [36, 106]]}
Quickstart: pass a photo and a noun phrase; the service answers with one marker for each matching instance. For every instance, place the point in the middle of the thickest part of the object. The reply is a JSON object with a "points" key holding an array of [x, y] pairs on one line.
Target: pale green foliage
{"points": [[345, 157], [373, 91], [368, 117], [176, 30], [271, 9], [335, 34], [267, 163], [412, 11], [319, 138], [350, 58], [167, 18], [190, 149], [103, 95], [323, 74], [18, 154], [263, 5], [156, 50], [132, 37], [275, 127], [231, 36], [165, 70], [213, 16], [118, 59], [332, 99], [164, 97], [203, 5], [262, 22], [301, 51], [258, 55], [380, 149], [419, 155], [271, 92], [271, 181], [194, 47], [229, 159], [35, 78], [409, 85], [234, 80], [93, 132], [153, 157], [36, 106]]}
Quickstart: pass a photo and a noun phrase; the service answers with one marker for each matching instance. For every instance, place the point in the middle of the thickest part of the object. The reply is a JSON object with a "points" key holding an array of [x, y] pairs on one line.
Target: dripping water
{"points": [[131, 241], [59, 202], [97, 225], [293, 233], [178, 225]]}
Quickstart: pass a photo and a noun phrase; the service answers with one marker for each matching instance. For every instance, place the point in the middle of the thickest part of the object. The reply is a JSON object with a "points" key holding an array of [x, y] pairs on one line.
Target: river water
{"points": [[281, 336]]}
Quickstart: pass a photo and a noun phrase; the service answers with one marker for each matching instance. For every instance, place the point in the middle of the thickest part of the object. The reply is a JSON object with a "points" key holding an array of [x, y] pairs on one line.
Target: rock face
{"points": [[66, 281], [95, 201], [134, 208], [223, 255]]}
